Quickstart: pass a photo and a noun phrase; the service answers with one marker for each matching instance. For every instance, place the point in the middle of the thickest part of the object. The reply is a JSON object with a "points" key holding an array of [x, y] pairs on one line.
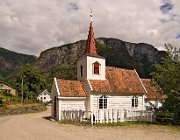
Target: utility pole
{"points": [[22, 91]]}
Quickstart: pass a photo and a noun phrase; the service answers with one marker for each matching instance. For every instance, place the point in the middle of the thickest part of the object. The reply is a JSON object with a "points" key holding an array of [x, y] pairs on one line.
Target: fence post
{"points": [[92, 117], [111, 115], [75, 115], [122, 116], [125, 114], [151, 116], [115, 115], [64, 115], [107, 118], [100, 112], [96, 117], [80, 115]]}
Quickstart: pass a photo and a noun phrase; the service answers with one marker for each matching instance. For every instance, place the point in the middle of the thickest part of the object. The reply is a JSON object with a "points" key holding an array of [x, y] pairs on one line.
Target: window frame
{"points": [[96, 68], [103, 101], [134, 101]]}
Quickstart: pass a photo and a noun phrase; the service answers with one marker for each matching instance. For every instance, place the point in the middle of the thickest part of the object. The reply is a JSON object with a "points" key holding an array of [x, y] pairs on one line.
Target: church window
{"points": [[81, 70], [96, 67], [134, 101], [103, 102]]}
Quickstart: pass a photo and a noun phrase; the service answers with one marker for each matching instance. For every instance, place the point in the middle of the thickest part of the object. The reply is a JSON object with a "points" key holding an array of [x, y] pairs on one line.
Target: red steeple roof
{"points": [[91, 44]]}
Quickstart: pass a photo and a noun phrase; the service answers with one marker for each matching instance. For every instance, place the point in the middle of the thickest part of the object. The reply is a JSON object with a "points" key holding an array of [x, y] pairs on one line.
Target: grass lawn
{"points": [[133, 124]]}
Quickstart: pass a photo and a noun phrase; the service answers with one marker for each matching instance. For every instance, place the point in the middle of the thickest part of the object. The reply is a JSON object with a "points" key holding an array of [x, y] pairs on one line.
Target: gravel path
{"points": [[36, 127]]}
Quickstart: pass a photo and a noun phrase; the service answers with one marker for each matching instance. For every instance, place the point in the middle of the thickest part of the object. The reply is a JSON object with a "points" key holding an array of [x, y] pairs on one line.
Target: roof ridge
{"points": [[69, 80], [119, 68]]}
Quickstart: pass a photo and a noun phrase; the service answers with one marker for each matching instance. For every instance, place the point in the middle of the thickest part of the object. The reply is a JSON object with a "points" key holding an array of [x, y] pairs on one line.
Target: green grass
{"points": [[130, 124]]}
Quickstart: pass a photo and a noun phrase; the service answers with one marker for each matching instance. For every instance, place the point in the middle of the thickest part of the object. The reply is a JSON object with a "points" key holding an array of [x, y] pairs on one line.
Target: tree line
{"points": [[167, 76]]}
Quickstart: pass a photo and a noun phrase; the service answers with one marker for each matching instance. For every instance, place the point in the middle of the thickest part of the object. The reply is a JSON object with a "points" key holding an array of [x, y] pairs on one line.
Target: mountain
{"points": [[11, 61], [66, 54], [118, 53], [139, 56], [61, 61]]}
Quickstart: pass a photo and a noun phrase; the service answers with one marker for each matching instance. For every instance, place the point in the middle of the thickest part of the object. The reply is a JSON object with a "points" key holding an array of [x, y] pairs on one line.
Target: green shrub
{"points": [[165, 118], [1, 101]]}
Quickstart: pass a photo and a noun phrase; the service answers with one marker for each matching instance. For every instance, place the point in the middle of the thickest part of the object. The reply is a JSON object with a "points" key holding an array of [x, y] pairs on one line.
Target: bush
{"points": [[165, 118], [1, 101]]}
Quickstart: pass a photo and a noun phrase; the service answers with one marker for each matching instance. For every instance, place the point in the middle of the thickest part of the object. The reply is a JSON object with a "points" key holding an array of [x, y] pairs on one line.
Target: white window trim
{"points": [[103, 104], [93, 68], [135, 97]]}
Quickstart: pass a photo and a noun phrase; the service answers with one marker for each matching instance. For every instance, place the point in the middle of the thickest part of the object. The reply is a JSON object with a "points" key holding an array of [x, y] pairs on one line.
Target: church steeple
{"points": [[91, 66], [91, 44]]}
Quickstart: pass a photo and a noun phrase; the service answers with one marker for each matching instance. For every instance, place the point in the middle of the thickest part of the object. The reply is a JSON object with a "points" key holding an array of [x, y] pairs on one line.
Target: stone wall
{"points": [[22, 110]]}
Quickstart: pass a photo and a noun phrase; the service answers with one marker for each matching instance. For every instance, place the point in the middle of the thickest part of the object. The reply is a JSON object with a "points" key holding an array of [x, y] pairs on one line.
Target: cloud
{"points": [[166, 7], [30, 26], [178, 36], [73, 7]]}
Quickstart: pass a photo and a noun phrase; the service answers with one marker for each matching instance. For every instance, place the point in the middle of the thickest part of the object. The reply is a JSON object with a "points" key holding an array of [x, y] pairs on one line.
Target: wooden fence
{"points": [[74, 115], [106, 116]]}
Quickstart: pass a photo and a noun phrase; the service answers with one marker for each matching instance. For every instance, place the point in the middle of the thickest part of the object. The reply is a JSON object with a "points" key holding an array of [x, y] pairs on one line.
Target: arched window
{"points": [[134, 101], [96, 67], [103, 102]]}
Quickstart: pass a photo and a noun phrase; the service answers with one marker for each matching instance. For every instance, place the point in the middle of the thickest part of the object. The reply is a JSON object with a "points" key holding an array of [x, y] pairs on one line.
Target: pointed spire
{"points": [[91, 45]]}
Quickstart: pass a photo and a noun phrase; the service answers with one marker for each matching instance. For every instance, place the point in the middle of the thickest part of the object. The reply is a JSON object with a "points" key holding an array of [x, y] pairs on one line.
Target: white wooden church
{"points": [[99, 87]]}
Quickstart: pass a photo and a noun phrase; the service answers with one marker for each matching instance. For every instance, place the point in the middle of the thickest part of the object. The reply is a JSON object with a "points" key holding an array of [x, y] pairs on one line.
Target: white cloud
{"points": [[31, 26]]}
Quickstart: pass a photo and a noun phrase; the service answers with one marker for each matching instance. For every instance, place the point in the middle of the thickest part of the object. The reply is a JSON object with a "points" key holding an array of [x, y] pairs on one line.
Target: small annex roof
{"points": [[2, 82], [70, 88], [43, 91], [153, 92], [118, 82]]}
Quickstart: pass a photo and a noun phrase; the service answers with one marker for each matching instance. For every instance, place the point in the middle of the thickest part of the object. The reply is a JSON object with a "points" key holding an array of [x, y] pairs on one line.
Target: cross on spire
{"points": [[91, 16]]}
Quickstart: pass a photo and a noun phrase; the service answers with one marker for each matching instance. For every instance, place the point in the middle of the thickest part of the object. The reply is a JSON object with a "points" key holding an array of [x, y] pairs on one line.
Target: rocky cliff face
{"points": [[137, 51], [117, 53], [66, 54], [61, 61]]}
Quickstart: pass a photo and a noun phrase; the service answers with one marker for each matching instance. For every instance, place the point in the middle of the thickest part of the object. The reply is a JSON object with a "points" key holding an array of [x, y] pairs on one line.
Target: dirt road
{"points": [[36, 127]]}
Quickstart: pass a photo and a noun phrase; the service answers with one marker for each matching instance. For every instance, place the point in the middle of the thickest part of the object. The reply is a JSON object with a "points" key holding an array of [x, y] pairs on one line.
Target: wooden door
{"points": [[55, 110]]}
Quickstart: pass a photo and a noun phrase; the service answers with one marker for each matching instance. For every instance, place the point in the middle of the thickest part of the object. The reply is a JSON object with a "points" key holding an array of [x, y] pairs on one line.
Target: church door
{"points": [[55, 111]]}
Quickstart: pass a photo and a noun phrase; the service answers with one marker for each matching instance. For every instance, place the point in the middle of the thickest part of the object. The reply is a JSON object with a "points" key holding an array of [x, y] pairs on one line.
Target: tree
{"points": [[167, 75], [173, 52], [33, 81]]}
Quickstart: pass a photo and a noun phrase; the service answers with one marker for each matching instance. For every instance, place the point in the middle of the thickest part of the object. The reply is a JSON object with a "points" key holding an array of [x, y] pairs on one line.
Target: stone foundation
{"points": [[22, 110]]}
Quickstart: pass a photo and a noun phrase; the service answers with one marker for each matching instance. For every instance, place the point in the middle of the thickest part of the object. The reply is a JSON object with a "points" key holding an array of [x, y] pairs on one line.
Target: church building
{"points": [[102, 87]]}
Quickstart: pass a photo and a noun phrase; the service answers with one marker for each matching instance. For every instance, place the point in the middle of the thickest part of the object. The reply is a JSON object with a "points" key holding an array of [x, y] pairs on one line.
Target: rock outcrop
{"points": [[118, 53], [63, 59], [66, 54]]}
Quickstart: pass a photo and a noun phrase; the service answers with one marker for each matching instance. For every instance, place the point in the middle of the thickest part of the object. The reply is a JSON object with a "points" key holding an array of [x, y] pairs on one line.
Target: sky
{"points": [[32, 26]]}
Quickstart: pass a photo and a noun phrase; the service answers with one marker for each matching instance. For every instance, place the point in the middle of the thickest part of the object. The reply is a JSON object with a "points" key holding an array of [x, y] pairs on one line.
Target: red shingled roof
{"points": [[153, 93], [118, 81], [91, 44], [70, 88]]}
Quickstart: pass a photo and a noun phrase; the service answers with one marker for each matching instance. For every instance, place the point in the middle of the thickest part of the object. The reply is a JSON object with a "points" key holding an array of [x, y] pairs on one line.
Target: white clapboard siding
{"points": [[73, 105], [118, 102]]}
